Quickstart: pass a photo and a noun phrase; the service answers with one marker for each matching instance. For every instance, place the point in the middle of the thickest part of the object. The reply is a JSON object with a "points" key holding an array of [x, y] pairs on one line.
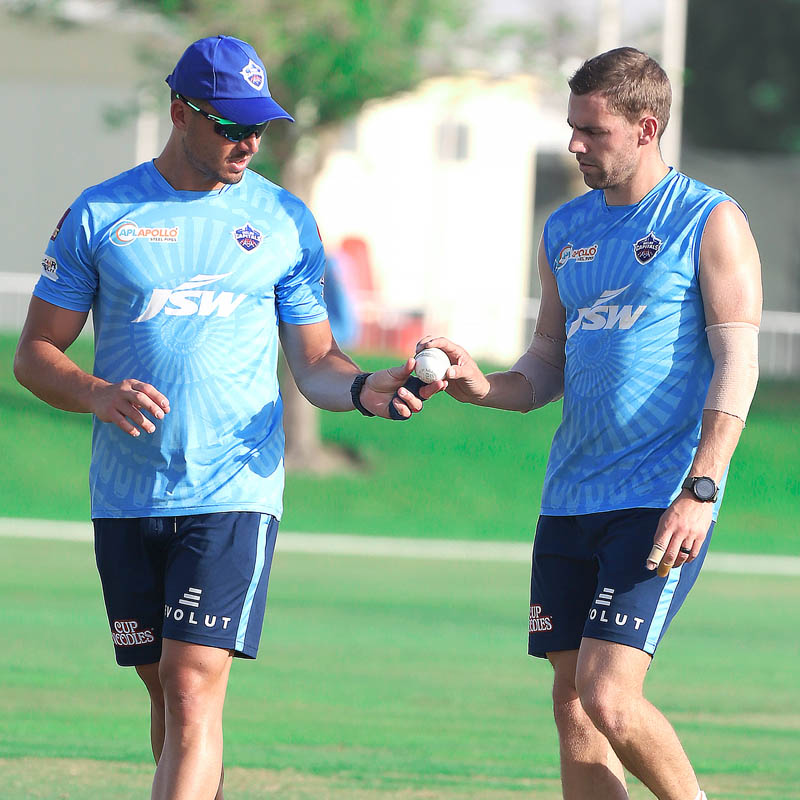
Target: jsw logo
{"points": [[185, 300], [602, 315]]}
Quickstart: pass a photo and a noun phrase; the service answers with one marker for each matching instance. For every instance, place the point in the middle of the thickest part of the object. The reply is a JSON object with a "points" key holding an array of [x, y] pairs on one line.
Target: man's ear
{"points": [[648, 130], [179, 113]]}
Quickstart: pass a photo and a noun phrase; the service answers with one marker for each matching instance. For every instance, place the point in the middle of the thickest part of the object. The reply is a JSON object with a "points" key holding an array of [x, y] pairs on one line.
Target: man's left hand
{"points": [[681, 532], [386, 388]]}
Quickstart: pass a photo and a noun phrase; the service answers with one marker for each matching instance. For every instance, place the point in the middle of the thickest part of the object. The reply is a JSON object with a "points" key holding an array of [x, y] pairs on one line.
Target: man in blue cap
{"points": [[195, 269]]}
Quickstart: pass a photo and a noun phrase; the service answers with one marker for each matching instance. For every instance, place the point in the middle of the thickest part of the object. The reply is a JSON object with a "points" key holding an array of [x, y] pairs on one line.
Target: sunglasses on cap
{"points": [[232, 131]]}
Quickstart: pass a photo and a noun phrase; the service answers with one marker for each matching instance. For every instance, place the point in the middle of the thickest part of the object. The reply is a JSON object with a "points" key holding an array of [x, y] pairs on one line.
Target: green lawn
{"points": [[384, 678], [454, 471]]}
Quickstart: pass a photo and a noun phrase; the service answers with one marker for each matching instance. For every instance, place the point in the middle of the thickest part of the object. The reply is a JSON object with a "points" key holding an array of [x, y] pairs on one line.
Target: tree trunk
{"points": [[305, 451]]}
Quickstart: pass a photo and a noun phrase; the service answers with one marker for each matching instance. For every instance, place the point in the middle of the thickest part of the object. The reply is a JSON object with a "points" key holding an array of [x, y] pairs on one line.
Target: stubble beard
{"points": [[616, 175], [208, 171]]}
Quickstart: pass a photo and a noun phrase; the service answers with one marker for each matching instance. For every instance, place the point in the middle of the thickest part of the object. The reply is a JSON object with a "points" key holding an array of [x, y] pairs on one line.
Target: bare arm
{"points": [[730, 282], [509, 390], [42, 366], [324, 374]]}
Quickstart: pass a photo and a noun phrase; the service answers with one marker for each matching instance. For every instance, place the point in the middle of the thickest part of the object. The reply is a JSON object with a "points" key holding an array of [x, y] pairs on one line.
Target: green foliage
{"points": [[742, 83], [325, 58]]}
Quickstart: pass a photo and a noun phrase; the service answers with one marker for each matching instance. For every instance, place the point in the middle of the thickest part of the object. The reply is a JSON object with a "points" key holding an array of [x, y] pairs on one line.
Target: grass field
{"points": [[479, 470], [383, 678], [392, 678]]}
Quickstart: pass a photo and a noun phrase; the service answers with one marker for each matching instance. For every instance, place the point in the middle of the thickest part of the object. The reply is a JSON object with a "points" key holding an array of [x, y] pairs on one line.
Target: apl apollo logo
{"points": [[571, 253], [187, 300], [127, 232]]}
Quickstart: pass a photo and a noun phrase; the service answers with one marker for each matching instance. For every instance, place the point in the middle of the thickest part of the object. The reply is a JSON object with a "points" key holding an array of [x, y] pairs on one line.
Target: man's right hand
{"points": [[465, 381], [123, 403]]}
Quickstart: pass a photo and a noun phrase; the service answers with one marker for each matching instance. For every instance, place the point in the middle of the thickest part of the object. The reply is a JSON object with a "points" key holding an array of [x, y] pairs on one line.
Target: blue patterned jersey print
{"points": [[638, 363], [186, 290]]}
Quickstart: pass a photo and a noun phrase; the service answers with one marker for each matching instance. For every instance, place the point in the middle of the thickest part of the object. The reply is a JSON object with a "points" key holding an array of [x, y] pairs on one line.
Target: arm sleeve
{"points": [[299, 293], [69, 278]]}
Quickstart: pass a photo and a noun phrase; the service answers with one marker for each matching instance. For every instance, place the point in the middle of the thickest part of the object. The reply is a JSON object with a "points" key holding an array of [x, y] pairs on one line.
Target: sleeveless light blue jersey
{"points": [[638, 362], [186, 291]]}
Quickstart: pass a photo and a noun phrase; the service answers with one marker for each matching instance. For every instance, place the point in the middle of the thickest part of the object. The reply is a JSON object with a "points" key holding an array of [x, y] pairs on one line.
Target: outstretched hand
{"points": [[464, 380], [386, 389]]}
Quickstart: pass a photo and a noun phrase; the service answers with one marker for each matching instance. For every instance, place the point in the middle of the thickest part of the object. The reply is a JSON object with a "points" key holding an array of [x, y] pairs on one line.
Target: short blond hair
{"points": [[631, 82]]}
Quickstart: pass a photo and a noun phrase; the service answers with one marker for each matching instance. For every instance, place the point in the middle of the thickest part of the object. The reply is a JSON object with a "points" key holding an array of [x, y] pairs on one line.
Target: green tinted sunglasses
{"points": [[232, 131]]}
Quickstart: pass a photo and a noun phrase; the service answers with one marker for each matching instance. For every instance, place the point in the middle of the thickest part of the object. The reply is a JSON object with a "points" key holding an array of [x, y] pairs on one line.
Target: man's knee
{"points": [[607, 706], [565, 698], [193, 680], [569, 715]]}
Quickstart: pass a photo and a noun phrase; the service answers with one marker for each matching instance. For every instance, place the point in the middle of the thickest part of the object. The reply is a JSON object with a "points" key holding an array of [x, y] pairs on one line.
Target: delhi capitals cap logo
{"points": [[247, 237], [253, 74], [645, 249]]}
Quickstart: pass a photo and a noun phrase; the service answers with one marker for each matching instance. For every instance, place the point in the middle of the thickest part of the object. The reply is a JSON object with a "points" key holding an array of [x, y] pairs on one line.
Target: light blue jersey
{"points": [[186, 290], [638, 363]]}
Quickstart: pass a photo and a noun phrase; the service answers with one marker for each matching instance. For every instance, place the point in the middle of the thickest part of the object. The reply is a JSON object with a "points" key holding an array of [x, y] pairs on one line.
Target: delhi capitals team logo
{"points": [[645, 249], [247, 237], [253, 74]]}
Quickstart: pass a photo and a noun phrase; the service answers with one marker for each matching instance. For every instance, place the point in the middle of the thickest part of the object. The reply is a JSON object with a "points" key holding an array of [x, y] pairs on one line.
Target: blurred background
{"points": [[430, 140], [431, 144]]}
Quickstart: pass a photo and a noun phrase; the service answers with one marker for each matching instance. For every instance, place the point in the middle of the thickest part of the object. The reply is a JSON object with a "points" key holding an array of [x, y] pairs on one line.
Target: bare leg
{"points": [[149, 675], [188, 748], [589, 767], [609, 680]]}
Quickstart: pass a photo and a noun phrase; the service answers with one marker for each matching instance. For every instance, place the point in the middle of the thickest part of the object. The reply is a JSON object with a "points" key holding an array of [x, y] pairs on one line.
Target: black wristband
{"points": [[355, 392]]}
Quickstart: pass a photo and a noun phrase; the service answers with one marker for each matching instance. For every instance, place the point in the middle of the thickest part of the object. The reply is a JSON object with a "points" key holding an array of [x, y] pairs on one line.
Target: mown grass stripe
{"points": [[382, 546]]}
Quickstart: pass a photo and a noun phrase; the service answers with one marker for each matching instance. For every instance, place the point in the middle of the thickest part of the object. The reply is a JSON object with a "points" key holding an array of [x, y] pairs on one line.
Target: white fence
{"points": [[779, 340]]}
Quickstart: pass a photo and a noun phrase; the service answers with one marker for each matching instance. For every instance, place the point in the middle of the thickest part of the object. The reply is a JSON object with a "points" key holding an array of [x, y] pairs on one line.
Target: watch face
{"points": [[705, 488]]}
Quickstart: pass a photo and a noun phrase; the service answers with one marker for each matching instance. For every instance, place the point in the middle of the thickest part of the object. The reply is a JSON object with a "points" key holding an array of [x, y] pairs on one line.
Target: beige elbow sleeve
{"points": [[734, 348], [542, 365]]}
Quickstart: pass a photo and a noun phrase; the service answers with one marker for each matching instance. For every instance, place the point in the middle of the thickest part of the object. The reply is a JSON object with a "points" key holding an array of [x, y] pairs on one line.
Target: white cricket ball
{"points": [[432, 364]]}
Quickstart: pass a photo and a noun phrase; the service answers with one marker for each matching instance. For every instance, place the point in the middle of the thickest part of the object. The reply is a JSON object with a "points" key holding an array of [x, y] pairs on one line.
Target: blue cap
{"points": [[228, 73]]}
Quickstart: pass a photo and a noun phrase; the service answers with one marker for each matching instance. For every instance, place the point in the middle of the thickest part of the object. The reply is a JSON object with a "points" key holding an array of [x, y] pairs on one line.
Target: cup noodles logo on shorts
{"points": [[126, 633], [539, 623]]}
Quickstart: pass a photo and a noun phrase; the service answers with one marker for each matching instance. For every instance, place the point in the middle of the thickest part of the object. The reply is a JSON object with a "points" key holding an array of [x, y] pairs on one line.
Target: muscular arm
{"points": [[730, 283], [42, 366], [535, 379], [324, 374]]}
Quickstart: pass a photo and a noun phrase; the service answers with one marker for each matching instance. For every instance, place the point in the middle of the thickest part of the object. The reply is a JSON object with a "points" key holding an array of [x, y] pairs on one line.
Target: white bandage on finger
{"points": [[734, 348], [542, 365]]}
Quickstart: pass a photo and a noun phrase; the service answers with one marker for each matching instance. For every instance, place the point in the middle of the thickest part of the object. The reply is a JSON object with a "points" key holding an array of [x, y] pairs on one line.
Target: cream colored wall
{"points": [[451, 238], [56, 83]]}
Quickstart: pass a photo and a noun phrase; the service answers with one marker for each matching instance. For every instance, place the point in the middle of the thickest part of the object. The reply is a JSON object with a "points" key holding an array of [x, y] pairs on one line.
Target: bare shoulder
{"points": [[730, 267], [552, 316], [726, 230]]}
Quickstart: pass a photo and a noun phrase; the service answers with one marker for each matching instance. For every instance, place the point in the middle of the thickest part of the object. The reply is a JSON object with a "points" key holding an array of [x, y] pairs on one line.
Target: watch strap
{"points": [[355, 392], [690, 482]]}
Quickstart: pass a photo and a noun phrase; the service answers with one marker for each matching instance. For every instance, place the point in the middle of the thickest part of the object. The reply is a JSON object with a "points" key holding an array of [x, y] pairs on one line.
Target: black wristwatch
{"points": [[355, 392], [703, 488]]}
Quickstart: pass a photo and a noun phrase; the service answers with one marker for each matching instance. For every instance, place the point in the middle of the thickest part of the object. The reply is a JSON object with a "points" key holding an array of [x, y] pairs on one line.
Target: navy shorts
{"points": [[589, 580], [199, 579]]}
